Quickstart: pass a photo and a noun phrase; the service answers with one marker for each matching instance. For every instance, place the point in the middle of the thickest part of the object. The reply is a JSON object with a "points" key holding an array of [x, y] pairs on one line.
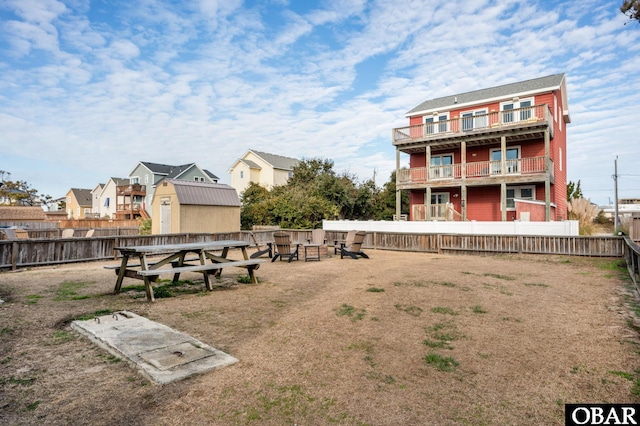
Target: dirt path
{"points": [[401, 338]]}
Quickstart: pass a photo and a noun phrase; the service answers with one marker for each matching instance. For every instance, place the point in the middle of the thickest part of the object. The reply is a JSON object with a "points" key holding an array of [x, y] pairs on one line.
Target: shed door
{"points": [[165, 217]]}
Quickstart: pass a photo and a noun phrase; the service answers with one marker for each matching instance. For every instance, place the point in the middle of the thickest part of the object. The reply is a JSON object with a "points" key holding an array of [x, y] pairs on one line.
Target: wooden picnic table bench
{"points": [[175, 262]]}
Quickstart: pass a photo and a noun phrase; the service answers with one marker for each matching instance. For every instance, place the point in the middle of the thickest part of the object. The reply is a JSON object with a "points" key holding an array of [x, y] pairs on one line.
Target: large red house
{"points": [[496, 154]]}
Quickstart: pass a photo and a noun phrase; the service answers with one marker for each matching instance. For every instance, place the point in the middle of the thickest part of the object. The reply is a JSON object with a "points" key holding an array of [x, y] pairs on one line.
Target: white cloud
{"points": [[203, 81]]}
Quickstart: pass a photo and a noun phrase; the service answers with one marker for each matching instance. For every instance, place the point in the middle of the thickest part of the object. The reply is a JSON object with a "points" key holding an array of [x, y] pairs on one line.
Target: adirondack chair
{"points": [[337, 245], [284, 247], [267, 248], [67, 233], [22, 234], [317, 237], [353, 249], [90, 233]]}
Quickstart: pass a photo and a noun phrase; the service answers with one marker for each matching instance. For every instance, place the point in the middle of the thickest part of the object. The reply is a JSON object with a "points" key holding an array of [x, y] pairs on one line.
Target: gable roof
{"points": [[250, 164], [522, 88], [82, 196], [120, 181], [277, 161], [205, 194], [174, 172], [211, 175]]}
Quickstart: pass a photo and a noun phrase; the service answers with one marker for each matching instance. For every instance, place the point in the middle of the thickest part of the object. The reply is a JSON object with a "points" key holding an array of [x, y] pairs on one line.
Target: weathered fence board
{"points": [[43, 251]]}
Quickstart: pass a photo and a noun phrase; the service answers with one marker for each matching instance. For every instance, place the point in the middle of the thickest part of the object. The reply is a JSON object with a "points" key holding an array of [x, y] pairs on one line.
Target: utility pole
{"points": [[616, 223]]}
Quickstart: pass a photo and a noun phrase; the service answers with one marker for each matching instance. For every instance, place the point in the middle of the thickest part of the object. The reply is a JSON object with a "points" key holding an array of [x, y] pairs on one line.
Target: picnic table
{"points": [[175, 260]]}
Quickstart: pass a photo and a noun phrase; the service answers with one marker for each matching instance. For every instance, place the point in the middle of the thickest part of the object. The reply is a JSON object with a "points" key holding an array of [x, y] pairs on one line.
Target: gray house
{"points": [[145, 176]]}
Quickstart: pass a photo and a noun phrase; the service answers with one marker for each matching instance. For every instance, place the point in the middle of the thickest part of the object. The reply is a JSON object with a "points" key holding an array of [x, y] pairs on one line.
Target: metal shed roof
{"points": [[205, 194]]}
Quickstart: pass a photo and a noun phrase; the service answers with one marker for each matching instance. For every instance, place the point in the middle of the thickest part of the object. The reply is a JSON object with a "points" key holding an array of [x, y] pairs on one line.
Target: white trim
{"points": [[516, 196]]}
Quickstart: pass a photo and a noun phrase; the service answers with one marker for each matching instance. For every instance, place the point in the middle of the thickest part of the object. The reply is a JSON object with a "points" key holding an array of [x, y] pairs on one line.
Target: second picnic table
{"points": [[175, 257]]}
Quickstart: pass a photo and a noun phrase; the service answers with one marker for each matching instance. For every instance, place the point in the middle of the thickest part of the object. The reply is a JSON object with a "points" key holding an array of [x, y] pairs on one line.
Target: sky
{"points": [[89, 88]]}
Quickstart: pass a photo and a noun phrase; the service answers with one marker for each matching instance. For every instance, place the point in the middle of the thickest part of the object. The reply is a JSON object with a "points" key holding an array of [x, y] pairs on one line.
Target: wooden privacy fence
{"points": [[48, 251], [632, 257]]}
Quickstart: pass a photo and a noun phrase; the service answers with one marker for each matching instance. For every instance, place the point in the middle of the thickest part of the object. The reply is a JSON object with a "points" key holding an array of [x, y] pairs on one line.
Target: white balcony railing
{"points": [[495, 120], [479, 169]]}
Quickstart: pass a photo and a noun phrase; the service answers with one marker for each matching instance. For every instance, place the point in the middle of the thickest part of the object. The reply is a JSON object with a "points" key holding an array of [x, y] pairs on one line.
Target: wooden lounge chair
{"points": [[67, 233], [347, 242], [317, 237], [22, 234], [284, 247], [353, 250], [90, 233], [268, 248]]}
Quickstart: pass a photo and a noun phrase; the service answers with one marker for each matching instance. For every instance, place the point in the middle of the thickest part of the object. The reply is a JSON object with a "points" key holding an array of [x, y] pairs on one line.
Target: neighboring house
{"points": [[79, 203], [135, 197], [267, 170], [107, 201], [184, 206], [496, 154], [95, 200]]}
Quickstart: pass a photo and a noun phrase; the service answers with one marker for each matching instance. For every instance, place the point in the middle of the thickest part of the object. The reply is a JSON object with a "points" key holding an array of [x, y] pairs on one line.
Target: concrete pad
{"points": [[160, 353]]}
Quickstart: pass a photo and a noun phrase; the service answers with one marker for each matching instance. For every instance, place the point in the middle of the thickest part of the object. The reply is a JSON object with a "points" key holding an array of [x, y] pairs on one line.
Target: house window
{"points": [[512, 161], [560, 159], [241, 174], [289, 175], [146, 178], [135, 180], [515, 111], [106, 202], [474, 119], [436, 123], [441, 166], [199, 179], [520, 192]]}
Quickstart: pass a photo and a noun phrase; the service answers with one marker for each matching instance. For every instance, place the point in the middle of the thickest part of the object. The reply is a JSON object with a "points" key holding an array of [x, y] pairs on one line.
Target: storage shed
{"points": [[180, 206]]}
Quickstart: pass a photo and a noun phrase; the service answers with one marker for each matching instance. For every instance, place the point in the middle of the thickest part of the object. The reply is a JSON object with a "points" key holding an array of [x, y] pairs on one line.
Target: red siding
{"points": [[483, 204]]}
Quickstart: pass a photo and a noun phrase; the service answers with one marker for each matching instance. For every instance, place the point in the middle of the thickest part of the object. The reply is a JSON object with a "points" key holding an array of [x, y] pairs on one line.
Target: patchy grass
{"points": [[500, 276], [536, 285], [440, 362], [59, 337], [68, 290], [477, 309], [32, 299], [351, 312], [375, 290], [410, 309], [443, 310]]}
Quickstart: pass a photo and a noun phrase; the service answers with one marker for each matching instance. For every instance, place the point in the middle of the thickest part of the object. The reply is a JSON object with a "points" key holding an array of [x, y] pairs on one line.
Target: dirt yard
{"points": [[399, 339]]}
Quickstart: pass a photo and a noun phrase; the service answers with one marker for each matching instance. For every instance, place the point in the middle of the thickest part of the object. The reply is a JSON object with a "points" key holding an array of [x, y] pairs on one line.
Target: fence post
{"points": [[439, 243], [520, 244], [14, 256]]}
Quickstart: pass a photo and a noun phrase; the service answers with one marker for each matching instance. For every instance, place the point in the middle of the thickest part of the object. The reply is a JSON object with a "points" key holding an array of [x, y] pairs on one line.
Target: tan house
{"points": [[180, 206], [79, 202], [267, 170]]}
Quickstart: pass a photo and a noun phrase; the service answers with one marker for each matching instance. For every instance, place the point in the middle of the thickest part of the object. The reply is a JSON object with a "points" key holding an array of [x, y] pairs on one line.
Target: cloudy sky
{"points": [[90, 87]]}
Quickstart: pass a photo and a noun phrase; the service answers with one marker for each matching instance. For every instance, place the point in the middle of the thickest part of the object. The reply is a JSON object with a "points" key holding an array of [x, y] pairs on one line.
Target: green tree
{"points": [[19, 192], [386, 204], [574, 191], [631, 8]]}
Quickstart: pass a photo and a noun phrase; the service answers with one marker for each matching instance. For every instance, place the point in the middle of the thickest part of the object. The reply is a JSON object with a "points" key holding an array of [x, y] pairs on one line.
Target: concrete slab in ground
{"points": [[160, 353]]}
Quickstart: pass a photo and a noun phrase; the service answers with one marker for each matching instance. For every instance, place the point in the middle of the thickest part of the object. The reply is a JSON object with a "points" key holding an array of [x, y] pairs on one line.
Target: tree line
{"points": [[316, 192]]}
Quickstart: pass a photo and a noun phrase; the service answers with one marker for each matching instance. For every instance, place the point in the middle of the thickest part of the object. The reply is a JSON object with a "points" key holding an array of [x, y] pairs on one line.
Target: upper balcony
{"points": [[516, 124], [131, 189], [480, 173]]}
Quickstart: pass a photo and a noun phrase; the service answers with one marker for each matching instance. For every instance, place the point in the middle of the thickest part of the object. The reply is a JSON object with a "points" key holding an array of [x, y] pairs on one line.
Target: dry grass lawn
{"points": [[401, 338]]}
